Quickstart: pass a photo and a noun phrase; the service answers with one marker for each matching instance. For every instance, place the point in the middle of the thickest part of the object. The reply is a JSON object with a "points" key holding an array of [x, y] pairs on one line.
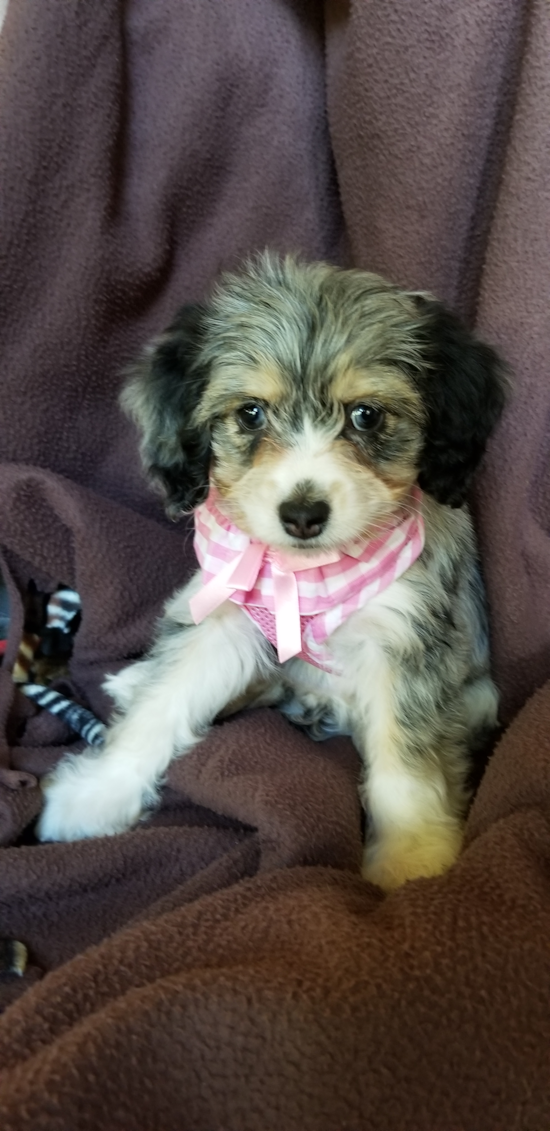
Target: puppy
{"points": [[325, 426]]}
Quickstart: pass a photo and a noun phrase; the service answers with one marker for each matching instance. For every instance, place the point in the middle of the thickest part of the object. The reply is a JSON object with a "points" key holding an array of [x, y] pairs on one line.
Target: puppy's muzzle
{"points": [[304, 519]]}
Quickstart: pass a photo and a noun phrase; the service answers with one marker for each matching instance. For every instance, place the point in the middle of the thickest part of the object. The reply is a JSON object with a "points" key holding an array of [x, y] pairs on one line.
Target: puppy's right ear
{"points": [[162, 394]]}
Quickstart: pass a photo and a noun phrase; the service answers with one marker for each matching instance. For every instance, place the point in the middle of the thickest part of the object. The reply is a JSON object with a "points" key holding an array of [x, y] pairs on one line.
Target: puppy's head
{"points": [[313, 398]]}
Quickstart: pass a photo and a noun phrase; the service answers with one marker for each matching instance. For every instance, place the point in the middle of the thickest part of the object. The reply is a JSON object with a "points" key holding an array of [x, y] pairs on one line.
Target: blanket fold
{"points": [[270, 990]]}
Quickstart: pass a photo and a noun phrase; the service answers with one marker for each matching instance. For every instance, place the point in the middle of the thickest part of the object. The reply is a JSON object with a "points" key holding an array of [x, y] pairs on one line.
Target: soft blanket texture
{"points": [[223, 966]]}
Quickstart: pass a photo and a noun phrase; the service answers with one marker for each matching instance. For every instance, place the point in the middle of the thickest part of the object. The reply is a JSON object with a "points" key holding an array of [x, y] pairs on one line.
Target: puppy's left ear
{"points": [[463, 389], [163, 391]]}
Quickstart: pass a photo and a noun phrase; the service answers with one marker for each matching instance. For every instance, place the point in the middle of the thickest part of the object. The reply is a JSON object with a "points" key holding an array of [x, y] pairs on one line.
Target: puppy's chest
{"points": [[330, 702]]}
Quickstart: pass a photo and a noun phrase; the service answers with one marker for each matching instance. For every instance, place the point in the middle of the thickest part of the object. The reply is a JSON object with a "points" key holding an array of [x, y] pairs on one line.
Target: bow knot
{"points": [[241, 575]]}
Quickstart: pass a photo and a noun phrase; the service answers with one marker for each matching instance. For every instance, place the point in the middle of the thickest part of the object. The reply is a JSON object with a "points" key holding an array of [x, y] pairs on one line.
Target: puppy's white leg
{"points": [[414, 790], [191, 675], [124, 686], [414, 831]]}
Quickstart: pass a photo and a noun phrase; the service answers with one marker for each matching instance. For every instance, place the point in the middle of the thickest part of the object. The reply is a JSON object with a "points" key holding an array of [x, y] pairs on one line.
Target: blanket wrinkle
{"points": [[223, 965], [420, 110]]}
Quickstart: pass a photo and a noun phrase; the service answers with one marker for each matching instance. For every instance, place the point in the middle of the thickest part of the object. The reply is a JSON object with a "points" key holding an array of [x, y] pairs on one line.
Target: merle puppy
{"points": [[324, 425]]}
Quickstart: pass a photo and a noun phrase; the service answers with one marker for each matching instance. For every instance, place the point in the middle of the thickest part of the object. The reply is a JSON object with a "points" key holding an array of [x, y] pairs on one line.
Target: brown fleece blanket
{"points": [[223, 966]]}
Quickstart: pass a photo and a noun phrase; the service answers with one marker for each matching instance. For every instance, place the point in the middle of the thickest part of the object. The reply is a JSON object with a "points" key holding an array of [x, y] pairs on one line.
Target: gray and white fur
{"points": [[313, 398]]}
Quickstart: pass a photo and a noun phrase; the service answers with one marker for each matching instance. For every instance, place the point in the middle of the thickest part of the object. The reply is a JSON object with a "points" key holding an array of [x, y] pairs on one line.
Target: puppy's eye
{"points": [[251, 416], [366, 417]]}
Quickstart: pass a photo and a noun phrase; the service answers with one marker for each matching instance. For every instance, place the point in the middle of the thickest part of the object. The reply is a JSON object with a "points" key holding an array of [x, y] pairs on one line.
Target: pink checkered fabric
{"points": [[327, 594]]}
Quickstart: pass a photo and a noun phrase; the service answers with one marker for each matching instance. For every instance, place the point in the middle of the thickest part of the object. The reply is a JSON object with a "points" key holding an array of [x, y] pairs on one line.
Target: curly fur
{"points": [[310, 352]]}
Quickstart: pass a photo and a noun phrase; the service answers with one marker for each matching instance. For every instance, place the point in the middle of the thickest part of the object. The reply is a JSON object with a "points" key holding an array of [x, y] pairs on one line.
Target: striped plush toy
{"points": [[80, 720], [46, 645]]}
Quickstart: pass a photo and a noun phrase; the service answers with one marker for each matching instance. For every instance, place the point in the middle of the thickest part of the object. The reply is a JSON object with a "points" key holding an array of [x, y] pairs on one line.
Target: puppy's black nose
{"points": [[304, 520]]}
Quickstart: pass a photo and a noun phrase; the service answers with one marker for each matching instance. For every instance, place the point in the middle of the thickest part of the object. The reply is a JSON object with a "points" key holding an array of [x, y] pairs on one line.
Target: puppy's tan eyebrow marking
{"points": [[378, 383], [266, 383]]}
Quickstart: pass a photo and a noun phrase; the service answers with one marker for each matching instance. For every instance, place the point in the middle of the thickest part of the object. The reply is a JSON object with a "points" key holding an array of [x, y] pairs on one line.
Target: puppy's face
{"points": [[313, 399], [316, 426]]}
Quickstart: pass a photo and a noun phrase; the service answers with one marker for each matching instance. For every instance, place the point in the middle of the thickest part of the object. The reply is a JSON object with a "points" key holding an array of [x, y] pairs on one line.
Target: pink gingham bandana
{"points": [[298, 600]]}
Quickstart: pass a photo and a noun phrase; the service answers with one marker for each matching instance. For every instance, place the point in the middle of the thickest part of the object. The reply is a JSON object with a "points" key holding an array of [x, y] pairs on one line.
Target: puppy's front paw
{"points": [[89, 795], [409, 855]]}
